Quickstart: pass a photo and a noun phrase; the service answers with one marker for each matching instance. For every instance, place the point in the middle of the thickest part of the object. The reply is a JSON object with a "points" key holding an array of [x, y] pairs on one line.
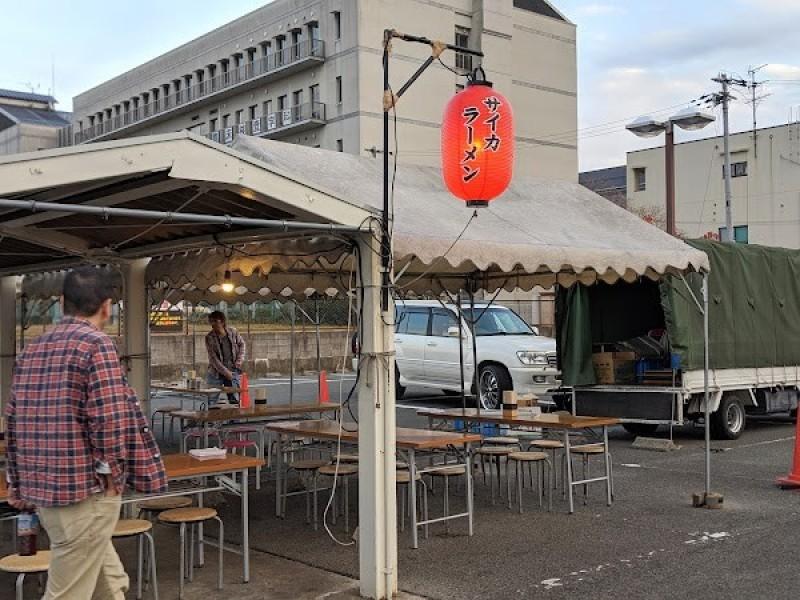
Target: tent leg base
{"points": [[710, 500]]}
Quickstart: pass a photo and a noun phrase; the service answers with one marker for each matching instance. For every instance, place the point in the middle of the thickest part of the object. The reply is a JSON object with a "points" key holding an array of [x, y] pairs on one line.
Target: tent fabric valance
{"points": [[538, 233]]}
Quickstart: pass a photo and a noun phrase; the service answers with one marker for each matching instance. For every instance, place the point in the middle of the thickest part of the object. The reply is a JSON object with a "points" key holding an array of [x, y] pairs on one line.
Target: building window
{"points": [[297, 98], [463, 61], [339, 89], [639, 179], [267, 108], [297, 42], [314, 93], [340, 145], [337, 25], [280, 46], [740, 233], [738, 169], [281, 102], [225, 121], [239, 115], [212, 125], [251, 112]]}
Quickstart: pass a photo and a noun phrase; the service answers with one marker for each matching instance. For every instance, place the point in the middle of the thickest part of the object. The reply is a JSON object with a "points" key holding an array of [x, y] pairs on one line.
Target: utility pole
{"points": [[724, 98], [754, 99]]}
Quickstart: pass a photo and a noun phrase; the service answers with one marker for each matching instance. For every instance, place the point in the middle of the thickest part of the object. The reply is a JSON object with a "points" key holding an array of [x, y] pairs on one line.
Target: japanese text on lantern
{"points": [[490, 144]]}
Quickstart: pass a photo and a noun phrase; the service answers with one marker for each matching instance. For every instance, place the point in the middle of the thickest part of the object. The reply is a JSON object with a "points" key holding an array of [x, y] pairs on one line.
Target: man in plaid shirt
{"points": [[76, 438]]}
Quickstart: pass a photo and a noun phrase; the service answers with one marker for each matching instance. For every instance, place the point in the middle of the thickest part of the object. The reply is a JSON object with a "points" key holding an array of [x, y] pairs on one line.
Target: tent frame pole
{"points": [[706, 395]]}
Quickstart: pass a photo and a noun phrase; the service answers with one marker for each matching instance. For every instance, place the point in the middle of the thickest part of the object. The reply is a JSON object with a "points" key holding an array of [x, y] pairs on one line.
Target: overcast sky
{"points": [[634, 56]]}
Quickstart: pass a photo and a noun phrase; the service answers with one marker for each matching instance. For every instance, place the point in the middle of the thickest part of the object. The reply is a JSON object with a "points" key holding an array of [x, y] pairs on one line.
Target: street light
{"points": [[691, 119]]}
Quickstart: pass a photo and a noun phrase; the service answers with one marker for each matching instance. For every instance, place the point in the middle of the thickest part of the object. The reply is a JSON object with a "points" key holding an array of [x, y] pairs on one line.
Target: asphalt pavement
{"points": [[650, 544]]}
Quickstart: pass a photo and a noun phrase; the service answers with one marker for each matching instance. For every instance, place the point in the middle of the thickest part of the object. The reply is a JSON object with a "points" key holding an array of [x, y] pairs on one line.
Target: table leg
{"points": [[569, 471], [468, 451], [245, 527], [412, 469], [607, 464]]}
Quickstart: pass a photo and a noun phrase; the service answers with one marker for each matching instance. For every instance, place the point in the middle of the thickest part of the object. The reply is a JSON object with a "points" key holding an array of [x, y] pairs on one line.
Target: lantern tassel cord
{"points": [[443, 256]]}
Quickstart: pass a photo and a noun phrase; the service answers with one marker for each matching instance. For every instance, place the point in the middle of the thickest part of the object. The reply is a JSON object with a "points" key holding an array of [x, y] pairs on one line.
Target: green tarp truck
{"points": [[636, 350]]}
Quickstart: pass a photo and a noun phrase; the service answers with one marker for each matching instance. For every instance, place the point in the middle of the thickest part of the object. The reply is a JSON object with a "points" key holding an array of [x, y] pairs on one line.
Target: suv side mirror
{"points": [[452, 331]]}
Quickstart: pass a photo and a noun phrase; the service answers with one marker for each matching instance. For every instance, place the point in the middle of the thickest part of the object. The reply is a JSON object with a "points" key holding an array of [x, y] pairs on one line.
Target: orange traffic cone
{"points": [[792, 480], [324, 391], [244, 397]]}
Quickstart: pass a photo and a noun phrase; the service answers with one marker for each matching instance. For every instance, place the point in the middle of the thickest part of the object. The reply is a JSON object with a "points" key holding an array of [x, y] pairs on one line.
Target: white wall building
{"points": [[309, 72], [765, 185]]}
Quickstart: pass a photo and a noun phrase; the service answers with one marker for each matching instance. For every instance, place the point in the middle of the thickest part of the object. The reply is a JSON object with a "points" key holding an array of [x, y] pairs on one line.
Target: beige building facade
{"points": [[309, 72], [765, 186], [30, 122]]}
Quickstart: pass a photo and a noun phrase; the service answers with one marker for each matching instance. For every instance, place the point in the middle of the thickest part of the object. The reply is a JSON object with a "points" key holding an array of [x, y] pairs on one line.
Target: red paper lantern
{"points": [[477, 143]]}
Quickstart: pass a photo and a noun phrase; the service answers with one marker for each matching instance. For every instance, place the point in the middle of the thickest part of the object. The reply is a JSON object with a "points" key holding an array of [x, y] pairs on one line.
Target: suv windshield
{"points": [[498, 321]]}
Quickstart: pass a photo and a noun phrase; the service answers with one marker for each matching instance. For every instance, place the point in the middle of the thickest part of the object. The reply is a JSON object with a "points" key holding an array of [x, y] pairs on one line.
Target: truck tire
{"points": [[493, 381], [399, 390], [643, 429], [728, 422]]}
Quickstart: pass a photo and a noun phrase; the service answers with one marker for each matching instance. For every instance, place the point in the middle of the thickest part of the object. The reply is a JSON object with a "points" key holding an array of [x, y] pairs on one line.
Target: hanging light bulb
{"points": [[227, 282]]}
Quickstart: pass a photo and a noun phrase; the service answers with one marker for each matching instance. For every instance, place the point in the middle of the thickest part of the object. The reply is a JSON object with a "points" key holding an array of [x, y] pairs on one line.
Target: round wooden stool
{"points": [[39, 563], [500, 440], [586, 451], [140, 528], [446, 472], [494, 454], [307, 470], [193, 517], [554, 446], [163, 413], [346, 472], [151, 508], [403, 477], [520, 459]]}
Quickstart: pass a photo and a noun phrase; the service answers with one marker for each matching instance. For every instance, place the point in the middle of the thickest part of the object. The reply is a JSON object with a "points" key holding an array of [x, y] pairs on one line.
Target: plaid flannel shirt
{"points": [[214, 349], [71, 410]]}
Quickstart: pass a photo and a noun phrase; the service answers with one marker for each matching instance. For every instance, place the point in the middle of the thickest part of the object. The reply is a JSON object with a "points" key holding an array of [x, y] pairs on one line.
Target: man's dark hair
{"points": [[217, 315], [85, 290]]}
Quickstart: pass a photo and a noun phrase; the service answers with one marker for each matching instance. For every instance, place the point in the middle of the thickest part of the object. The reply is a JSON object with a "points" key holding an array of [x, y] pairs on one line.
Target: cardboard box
{"points": [[510, 403], [614, 367]]}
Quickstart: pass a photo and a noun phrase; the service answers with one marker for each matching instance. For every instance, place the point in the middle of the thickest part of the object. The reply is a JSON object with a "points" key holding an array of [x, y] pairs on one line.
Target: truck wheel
{"points": [[728, 422], [643, 429], [493, 381], [399, 390]]}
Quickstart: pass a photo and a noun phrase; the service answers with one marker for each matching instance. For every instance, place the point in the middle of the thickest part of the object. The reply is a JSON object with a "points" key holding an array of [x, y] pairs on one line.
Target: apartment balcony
{"points": [[289, 121], [262, 70]]}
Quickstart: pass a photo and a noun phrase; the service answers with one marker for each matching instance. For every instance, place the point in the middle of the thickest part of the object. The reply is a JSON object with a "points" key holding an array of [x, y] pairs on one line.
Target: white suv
{"points": [[511, 354]]}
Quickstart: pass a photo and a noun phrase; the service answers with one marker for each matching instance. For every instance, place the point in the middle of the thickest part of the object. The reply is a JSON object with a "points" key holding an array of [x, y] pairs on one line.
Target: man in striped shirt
{"points": [[76, 438]]}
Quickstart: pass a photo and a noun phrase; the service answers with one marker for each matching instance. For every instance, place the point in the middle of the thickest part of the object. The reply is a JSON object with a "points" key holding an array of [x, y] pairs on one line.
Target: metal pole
{"points": [[669, 171], [291, 354], [461, 357], [388, 102], [173, 217], [319, 354], [475, 381], [706, 411], [194, 343], [23, 308], [726, 143]]}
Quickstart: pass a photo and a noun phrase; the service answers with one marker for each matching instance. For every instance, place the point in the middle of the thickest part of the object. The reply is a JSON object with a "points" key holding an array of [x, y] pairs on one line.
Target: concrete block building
{"points": [[30, 122], [309, 72], [765, 185]]}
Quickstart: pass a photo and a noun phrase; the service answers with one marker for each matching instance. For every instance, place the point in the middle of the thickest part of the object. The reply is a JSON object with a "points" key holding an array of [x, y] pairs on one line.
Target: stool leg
{"points": [[585, 476], [182, 560], [139, 566], [152, 561], [497, 470], [221, 549], [316, 509], [424, 492], [192, 530], [520, 476], [403, 509], [346, 481], [508, 483], [20, 582], [447, 503], [308, 502], [540, 483]]}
